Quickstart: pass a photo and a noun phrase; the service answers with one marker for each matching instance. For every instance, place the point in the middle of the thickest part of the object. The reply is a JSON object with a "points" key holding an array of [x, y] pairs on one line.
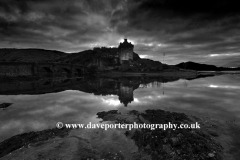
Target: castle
{"points": [[125, 51]]}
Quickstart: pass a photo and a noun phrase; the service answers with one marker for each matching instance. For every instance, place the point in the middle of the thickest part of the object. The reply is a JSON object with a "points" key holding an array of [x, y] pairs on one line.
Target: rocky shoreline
{"points": [[169, 144], [5, 105], [26, 139]]}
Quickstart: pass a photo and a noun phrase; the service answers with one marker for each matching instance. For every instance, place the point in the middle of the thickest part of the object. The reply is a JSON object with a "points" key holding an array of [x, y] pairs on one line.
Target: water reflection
{"points": [[40, 105], [122, 87]]}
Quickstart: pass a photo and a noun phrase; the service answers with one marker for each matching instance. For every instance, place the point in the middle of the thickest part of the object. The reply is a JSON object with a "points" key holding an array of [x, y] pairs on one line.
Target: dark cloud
{"points": [[185, 30], [213, 8]]}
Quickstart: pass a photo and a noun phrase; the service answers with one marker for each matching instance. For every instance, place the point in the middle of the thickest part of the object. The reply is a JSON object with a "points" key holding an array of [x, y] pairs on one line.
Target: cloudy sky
{"points": [[206, 31]]}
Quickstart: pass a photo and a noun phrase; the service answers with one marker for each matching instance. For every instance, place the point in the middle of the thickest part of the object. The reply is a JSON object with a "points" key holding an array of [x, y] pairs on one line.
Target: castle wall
{"points": [[126, 54], [125, 51]]}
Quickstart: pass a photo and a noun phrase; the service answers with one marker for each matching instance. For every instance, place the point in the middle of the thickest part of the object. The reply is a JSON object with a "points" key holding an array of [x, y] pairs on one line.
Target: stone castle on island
{"points": [[125, 51], [121, 58]]}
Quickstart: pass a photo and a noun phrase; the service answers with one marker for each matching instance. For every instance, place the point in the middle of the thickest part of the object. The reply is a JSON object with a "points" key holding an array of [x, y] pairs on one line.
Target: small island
{"points": [[100, 61]]}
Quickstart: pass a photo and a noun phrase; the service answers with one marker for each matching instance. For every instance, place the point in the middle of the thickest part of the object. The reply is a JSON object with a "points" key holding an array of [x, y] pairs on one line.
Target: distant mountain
{"points": [[29, 55], [203, 67]]}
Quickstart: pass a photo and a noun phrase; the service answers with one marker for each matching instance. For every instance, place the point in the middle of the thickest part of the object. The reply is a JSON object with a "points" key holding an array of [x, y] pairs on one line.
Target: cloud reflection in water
{"points": [[38, 112]]}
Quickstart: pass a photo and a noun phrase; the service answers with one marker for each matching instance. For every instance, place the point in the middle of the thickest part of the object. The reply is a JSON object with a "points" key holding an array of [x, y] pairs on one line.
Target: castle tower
{"points": [[125, 51]]}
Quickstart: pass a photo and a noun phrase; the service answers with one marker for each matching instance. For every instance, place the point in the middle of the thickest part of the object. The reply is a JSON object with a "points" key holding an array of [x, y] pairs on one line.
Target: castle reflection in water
{"points": [[123, 87], [126, 91]]}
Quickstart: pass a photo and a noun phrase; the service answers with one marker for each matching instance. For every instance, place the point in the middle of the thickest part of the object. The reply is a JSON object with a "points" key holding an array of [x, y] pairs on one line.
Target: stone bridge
{"points": [[13, 69]]}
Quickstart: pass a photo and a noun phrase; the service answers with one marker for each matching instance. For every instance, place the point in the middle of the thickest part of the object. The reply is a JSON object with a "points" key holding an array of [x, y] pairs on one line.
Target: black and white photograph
{"points": [[119, 80]]}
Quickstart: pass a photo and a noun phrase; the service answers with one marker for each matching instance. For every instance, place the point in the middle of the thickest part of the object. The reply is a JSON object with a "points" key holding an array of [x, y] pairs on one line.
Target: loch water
{"points": [[39, 105]]}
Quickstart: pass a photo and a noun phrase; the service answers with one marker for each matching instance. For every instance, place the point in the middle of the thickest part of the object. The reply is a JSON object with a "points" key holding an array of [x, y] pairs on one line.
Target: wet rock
{"points": [[62, 149], [194, 144], [175, 141], [127, 133], [213, 133], [104, 113], [165, 140], [185, 143], [5, 105], [167, 149], [211, 154], [161, 116], [112, 156], [26, 139], [114, 115]]}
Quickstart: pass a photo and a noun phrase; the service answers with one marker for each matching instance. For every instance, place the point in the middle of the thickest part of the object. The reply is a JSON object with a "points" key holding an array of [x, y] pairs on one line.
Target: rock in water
{"points": [[5, 105]]}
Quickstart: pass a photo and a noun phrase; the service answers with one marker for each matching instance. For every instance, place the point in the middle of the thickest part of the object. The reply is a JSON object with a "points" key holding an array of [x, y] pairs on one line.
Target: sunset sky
{"points": [[205, 31]]}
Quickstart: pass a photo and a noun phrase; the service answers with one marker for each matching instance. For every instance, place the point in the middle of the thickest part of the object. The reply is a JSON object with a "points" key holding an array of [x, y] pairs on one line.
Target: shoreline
{"points": [[50, 143], [179, 74], [168, 74], [175, 74]]}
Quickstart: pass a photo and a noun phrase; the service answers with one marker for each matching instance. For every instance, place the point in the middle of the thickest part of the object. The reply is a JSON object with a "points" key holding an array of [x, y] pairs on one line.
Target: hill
{"points": [[103, 55], [203, 67], [29, 55]]}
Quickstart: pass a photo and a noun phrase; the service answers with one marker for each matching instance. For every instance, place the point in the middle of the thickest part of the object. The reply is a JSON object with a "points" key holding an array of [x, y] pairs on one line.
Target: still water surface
{"points": [[217, 98]]}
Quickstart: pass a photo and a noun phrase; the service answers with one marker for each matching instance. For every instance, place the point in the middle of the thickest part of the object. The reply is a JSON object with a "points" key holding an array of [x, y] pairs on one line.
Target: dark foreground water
{"points": [[39, 106]]}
